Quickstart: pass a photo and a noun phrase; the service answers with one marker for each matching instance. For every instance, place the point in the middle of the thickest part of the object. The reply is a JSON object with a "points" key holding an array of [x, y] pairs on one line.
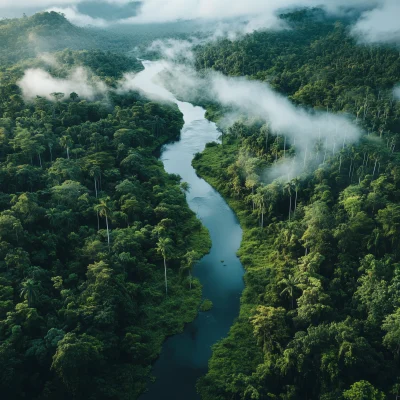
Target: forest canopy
{"points": [[88, 217]]}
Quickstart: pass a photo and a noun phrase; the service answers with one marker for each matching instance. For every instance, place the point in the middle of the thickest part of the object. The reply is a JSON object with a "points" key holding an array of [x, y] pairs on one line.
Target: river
{"points": [[184, 357]]}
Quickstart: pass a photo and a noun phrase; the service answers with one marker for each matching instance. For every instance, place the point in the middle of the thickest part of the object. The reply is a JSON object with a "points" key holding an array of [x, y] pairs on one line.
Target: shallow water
{"points": [[184, 357]]}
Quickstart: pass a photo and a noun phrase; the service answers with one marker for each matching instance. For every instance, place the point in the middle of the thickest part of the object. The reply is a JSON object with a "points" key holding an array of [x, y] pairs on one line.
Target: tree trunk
{"points": [[295, 202], [68, 152], [165, 276], [95, 186], [376, 162], [108, 233]]}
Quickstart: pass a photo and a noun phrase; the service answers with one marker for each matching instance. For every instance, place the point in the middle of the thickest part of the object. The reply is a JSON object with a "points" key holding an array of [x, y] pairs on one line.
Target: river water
{"points": [[184, 357]]}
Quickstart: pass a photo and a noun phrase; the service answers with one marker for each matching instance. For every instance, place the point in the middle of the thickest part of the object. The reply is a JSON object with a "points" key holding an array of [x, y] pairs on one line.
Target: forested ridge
{"points": [[320, 313], [88, 220]]}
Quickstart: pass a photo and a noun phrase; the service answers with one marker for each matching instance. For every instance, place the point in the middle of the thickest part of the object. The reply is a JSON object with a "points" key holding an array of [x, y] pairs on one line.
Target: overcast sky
{"points": [[379, 21]]}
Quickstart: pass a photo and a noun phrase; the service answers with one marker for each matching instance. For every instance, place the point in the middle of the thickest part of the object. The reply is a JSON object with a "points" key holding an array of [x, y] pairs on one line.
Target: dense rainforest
{"points": [[97, 242], [320, 316], [96, 239]]}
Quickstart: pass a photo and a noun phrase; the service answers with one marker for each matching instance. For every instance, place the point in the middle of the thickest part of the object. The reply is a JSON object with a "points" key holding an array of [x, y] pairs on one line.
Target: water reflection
{"points": [[184, 357]]}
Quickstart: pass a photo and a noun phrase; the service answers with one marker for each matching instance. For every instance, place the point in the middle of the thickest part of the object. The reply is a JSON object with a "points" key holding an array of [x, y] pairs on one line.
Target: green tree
{"points": [[164, 247], [290, 283], [189, 260], [66, 142], [29, 291], [269, 327], [76, 359], [104, 208], [363, 390]]}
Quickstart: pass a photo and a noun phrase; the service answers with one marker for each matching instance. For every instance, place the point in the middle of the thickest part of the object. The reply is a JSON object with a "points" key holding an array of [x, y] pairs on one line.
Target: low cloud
{"points": [[175, 50], [37, 82], [79, 19], [378, 20], [379, 25], [261, 13], [49, 59], [48, 3], [314, 135]]}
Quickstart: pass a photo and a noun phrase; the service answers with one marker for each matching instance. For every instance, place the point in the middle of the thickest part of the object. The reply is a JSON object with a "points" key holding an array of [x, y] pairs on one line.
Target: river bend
{"points": [[184, 357]]}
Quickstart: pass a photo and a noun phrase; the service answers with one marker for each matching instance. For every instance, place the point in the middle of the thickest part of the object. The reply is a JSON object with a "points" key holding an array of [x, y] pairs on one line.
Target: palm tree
{"points": [[66, 142], [259, 200], [52, 215], [95, 172], [28, 291], [191, 258], [290, 284], [104, 210], [296, 183], [164, 247], [185, 187], [289, 189]]}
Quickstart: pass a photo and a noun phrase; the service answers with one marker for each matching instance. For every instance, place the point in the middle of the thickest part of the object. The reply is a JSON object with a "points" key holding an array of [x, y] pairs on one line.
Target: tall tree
{"points": [[104, 208], [164, 247], [189, 260], [29, 291]]}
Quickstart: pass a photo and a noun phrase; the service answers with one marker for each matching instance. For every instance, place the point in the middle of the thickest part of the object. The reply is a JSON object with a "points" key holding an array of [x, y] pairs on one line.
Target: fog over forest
{"points": [[199, 199]]}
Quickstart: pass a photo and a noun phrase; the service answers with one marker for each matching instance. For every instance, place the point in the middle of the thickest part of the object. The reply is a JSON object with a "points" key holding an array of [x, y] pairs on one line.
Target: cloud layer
{"points": [[172, 10], [314, 135], [79, 19], [380, 24], [378, 21], [48, 3], [37, 82]]}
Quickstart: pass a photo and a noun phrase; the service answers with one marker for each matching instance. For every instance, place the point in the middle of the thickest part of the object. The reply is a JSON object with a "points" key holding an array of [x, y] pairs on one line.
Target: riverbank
{"points": [[184, 357], [238, 353], [182, 306]]}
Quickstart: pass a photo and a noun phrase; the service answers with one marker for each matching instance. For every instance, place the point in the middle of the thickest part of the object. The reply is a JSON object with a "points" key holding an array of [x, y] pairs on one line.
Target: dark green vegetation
{"points": [[320, 316], [90, 223], [26, 37], [316, 64]]}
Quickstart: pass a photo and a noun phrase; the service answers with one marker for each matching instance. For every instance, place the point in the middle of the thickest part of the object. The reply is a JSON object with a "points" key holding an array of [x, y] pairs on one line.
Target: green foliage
{"points": [[206, 305], [50, 31], [363, 391], [84, 206], [319, 313]]}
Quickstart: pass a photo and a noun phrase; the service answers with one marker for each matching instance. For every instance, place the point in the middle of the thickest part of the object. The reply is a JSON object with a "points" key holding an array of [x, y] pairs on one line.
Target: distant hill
{"points": [[26, 37]]}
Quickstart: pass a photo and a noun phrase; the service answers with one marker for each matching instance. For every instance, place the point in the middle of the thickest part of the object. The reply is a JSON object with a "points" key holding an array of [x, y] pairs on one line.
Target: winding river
{"points": [[184, 357]]}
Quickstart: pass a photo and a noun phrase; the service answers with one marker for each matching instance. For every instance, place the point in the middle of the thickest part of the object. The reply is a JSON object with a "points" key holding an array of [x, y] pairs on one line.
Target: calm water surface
{"points": [[185, 356]]}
